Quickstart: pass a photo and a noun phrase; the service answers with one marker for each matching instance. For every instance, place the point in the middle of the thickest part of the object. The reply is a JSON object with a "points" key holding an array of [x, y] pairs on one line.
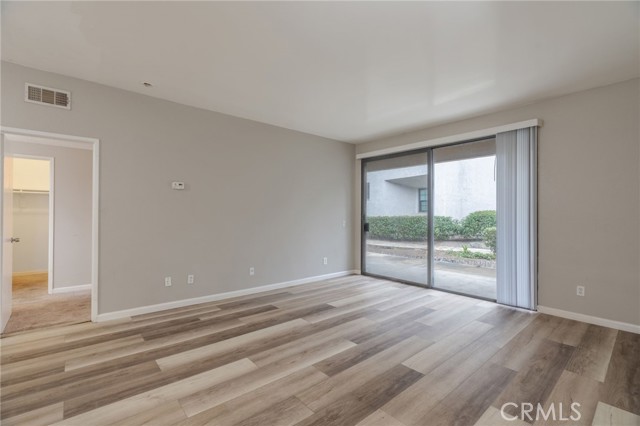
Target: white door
{"points": [[7, 238]]}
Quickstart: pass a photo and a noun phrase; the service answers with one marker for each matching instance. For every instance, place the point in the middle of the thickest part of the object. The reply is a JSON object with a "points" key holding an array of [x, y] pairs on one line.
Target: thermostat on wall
{"points": [[177, 185]]}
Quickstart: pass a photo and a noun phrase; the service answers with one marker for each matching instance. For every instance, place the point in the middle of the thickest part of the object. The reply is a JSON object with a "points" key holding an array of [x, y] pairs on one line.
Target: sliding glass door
{"points": [[464, 206], [430, 218], [396, 203], [459, 218]]}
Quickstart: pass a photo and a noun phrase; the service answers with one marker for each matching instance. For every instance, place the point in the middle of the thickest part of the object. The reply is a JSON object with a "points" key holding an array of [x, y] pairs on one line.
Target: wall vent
{"points": [[47, 96]]}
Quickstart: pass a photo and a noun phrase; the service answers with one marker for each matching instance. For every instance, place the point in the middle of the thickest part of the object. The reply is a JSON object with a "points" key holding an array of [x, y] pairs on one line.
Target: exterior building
{"points": [[461, 187]]}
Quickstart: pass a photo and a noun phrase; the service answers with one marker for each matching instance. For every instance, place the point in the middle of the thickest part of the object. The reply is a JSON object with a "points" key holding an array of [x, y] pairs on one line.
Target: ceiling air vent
{"points": [[47, 96]]}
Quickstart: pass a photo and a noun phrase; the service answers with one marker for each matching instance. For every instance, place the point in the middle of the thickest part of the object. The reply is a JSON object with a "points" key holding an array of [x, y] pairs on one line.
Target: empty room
{"points": [[358, 213]]}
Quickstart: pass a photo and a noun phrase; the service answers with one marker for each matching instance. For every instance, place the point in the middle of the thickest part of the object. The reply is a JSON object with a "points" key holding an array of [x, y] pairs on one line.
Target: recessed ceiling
{"points": [[352, 71]]}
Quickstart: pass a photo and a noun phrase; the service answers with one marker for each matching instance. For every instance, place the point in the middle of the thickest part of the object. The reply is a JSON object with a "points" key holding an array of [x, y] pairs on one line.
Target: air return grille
{"points": [[47, 96]]}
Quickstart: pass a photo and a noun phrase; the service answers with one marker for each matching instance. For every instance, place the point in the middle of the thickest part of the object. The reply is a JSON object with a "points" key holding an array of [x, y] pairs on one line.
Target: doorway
{"points": [[36, 302], [396, 218], [430, 218], [33, 206], [464, 205], [65, 290]]}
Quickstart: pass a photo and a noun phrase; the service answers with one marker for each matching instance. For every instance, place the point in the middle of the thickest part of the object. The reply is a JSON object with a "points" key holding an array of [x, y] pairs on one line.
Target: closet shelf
{"points": [[30, 191]]}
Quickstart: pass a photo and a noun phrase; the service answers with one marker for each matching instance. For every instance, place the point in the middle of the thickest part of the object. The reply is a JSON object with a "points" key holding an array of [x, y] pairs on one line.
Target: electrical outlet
{"points": [[167, 281], [325, 260], [344, 223], [580, 290], [252, 271], [191, 279]]}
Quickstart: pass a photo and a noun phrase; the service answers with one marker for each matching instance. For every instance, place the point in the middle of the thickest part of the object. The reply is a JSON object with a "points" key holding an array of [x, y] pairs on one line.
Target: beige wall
{"points": [[588, 196], [256, 195], [31, 174], [31, 225], [72, 210], [31, 215]]}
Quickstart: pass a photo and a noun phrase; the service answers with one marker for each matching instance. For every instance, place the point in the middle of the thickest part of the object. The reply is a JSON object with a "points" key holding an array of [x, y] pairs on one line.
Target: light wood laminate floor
{"points": [[347, 351]]}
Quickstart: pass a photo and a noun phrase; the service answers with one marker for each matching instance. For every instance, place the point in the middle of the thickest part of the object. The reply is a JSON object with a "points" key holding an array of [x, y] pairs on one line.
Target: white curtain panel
{"points": [[516, 154]]}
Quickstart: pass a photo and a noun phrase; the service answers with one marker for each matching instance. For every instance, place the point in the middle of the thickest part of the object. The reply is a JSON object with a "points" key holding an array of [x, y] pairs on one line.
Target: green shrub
{"points": [[398, 228], [414, 228], [467, 254], [445, 227], [489, 237], [475, 223]]}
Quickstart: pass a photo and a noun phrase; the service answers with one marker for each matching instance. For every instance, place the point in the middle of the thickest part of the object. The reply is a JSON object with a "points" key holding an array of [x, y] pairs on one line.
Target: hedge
{"points": [[414, 228], [445, 227], [398, 228], [475, 223], [489, 237], [411, 228]]}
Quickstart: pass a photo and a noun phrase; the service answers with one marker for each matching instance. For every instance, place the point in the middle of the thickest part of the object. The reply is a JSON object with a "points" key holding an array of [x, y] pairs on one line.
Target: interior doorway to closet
{"points": [[32, 226], [48, 206]]}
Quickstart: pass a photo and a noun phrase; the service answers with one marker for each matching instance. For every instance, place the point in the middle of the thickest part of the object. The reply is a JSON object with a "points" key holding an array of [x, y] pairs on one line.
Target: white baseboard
{"points": [[214, 297], [619, 325], [72, 289]]}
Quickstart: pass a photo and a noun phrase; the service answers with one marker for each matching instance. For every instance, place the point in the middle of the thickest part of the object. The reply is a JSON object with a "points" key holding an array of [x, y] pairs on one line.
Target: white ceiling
{"points": [[351, 71]]}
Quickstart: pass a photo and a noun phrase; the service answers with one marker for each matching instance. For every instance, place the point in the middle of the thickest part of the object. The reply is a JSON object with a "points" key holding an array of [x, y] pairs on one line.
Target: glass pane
{"points": [[465, 218], [396, 245]]}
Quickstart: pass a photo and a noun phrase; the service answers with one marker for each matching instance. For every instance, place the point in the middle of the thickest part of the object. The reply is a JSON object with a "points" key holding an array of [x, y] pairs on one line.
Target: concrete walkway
{"points": [[465, 279], [474, 246]]}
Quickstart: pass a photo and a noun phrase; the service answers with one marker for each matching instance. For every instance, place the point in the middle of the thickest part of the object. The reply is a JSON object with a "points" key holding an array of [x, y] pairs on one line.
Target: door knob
{"points": [[15, 240]]}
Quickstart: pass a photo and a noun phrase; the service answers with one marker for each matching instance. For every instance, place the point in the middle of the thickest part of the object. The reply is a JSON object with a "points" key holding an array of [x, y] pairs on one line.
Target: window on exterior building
{"points": [[422, 200]]}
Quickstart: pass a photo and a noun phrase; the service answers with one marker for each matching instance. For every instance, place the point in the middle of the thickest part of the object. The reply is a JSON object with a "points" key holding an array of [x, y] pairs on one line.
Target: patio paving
{"points": [[460, 278]]}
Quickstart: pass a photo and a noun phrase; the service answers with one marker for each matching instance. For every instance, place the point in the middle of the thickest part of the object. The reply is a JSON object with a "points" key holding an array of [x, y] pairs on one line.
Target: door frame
{"points": [[51, 212], [71, 141], [363, 215], [5, 293]]}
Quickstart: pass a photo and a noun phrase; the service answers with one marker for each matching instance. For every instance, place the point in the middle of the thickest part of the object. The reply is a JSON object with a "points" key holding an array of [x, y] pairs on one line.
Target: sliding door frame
{"points": [[431, 221], [363, 214], [430, 214]]}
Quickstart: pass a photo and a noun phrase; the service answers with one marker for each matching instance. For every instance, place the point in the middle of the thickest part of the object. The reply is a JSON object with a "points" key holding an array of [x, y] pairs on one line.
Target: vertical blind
{"points": [[516, 246]]}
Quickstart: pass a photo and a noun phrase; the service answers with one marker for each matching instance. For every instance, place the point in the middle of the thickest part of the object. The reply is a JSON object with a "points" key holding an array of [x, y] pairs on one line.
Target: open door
{"points": [[7, 238]]}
